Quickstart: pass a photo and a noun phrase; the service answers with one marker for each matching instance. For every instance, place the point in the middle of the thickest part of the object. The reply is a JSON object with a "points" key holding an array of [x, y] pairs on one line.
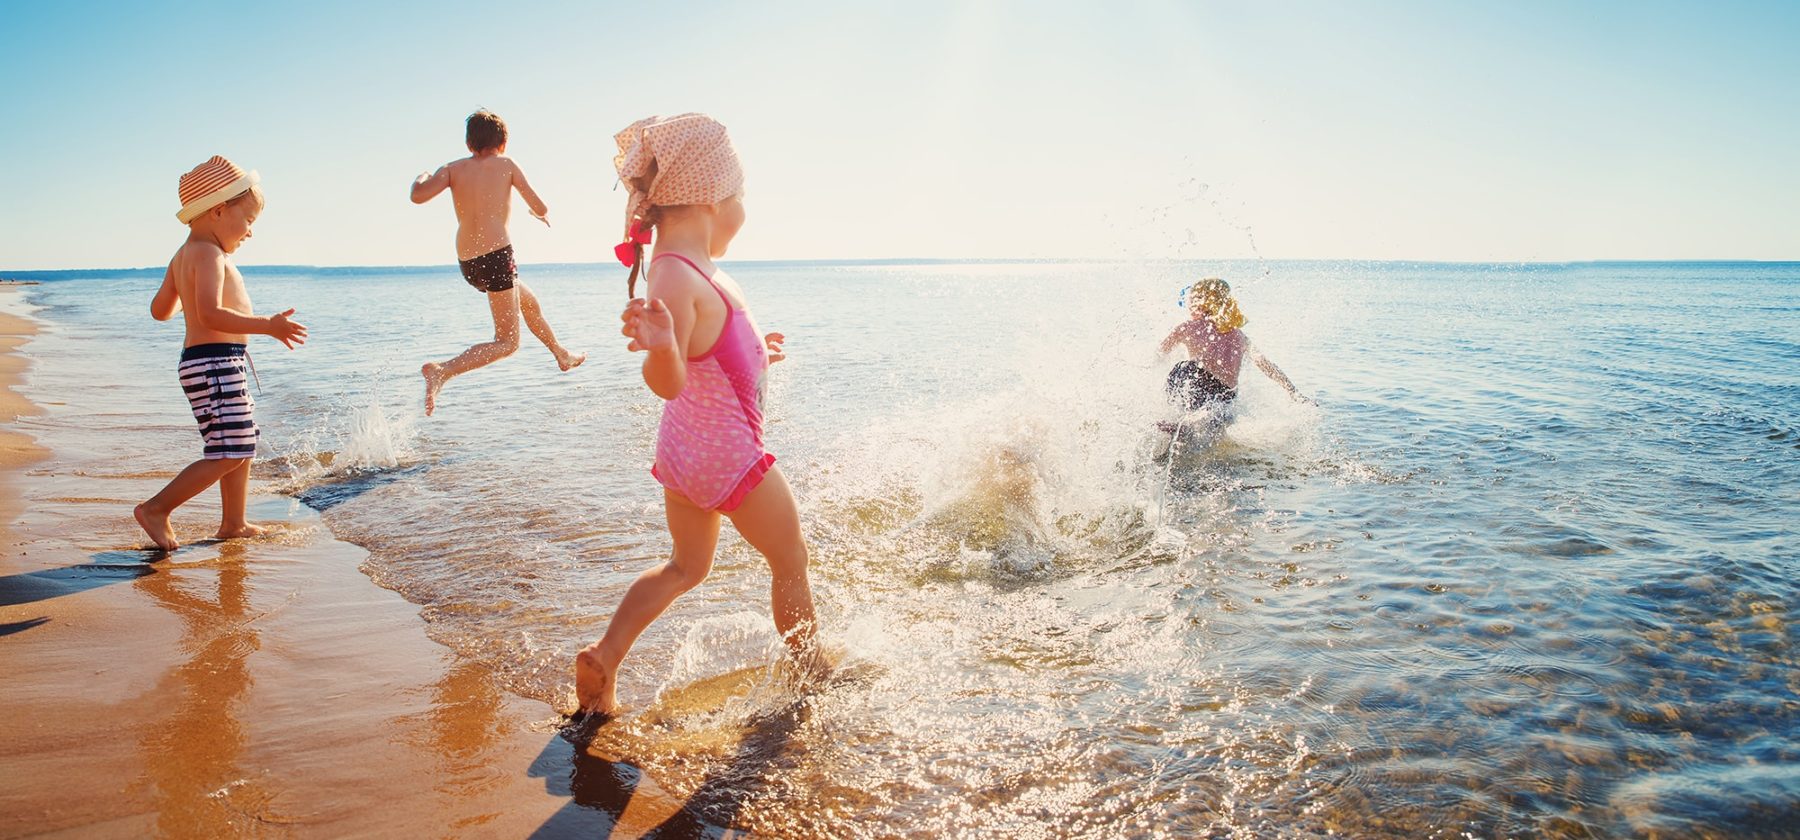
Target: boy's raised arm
{"points": [[429, 184], [539, 210], [168, 299], [209, 312]]}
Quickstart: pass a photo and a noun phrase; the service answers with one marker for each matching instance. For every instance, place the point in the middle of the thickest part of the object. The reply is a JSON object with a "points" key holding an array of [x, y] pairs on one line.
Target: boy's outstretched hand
{"points": [[650, 326], [285, 331], [772, 343]]}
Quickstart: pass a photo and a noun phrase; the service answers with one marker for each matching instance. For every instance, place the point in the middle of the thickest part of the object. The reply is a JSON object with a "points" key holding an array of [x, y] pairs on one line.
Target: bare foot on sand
{"points": [[594, 684], [569, 361], [239, 532], [157, 526], [434, 379]]}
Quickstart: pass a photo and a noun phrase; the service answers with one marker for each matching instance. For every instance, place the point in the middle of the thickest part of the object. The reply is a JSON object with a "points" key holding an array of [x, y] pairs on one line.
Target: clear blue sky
{"points": [[1394, 130]]}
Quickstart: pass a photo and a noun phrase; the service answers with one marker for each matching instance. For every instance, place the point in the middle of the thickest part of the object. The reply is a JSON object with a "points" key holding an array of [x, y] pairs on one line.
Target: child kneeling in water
{"points": [[708, 361], [1216, 345]]}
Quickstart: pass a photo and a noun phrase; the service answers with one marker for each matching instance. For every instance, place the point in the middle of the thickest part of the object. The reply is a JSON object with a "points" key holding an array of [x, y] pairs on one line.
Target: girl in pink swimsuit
{"points": [[707, 360]]}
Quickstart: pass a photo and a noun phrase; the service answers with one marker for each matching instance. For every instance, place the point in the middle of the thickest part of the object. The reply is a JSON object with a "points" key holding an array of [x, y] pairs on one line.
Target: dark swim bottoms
{"points": [[1192, 386], [493, 271]]}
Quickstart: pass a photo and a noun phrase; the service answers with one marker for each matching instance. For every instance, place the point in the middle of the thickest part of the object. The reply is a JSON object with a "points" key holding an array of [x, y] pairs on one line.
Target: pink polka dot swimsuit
{"points": [[709, 447]]}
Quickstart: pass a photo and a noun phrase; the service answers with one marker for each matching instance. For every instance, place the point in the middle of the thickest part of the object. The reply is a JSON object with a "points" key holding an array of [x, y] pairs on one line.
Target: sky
{"points": [[1519, 131]]}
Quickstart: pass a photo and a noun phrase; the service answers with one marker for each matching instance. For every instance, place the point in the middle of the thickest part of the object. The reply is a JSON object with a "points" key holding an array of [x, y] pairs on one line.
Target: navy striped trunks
{"points": [[216, 378]]}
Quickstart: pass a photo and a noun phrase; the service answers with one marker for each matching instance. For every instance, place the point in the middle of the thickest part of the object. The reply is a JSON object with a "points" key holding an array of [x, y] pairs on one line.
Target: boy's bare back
{"points": [[481, 187]]}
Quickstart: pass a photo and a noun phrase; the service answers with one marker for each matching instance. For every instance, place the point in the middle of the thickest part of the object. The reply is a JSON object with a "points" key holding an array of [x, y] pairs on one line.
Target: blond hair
{"points": [[1213, 296]]}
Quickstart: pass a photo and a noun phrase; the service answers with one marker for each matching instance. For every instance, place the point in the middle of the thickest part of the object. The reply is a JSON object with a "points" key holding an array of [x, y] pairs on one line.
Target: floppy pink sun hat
{"points": [[211, 184], [668, 161]]}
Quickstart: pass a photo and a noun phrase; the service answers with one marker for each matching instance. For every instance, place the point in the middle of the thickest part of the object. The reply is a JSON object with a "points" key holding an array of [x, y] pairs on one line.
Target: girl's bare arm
{"points": [[1170, 342], [1270, 370]]}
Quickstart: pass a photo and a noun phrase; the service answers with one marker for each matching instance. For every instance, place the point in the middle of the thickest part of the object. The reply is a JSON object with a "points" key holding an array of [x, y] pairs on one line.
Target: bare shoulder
{"points": [[675, 279], [196, 253], [197, 266]]}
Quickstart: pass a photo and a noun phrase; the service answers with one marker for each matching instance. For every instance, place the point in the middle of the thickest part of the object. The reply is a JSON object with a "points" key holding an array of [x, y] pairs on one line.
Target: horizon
{"points": [[35, 274], [9, 275], [1400, 131]]}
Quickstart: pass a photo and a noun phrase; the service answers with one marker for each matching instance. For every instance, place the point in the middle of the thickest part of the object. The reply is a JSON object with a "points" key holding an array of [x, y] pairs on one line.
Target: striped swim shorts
{"points": [[216, 378]]}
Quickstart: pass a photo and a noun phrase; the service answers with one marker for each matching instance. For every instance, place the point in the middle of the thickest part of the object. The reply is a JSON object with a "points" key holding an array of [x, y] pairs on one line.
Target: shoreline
{"points": [[247, 687]]}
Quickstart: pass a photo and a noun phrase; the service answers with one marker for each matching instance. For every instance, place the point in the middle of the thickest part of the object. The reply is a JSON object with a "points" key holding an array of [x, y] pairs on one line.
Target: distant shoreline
{"points": [[31, 276]]}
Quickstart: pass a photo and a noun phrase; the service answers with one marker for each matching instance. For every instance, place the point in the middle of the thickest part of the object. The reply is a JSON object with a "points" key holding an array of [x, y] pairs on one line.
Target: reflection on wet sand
{"points": [[466, 733], [192, 754]]}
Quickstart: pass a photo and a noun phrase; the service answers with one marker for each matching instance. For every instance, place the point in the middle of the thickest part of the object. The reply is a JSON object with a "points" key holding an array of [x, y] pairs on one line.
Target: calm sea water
{"points": [[1529, 567]]}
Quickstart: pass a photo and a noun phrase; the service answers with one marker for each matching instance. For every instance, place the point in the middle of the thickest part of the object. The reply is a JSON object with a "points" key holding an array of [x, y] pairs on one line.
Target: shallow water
{"points": [[1527, 568]]}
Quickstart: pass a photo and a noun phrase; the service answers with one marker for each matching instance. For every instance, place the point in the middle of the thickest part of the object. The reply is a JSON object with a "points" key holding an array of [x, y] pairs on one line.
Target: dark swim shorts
{"points": [[1192, 386], [493, 271]]}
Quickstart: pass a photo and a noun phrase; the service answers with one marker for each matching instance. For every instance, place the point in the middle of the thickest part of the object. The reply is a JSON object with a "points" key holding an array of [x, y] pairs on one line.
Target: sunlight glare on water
{"points": [[1526, 569]]}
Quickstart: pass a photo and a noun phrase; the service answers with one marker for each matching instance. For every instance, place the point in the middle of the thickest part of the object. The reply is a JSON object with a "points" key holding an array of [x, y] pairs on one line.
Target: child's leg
{"points": [[534, 321], [234, 494], [153, 515], [695, 533], [770, 522], [505, 308]]}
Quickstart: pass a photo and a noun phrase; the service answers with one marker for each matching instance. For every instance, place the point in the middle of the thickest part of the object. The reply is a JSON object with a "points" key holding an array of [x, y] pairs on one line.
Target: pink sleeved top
{"points": [[709, 446], [1220, 353]]}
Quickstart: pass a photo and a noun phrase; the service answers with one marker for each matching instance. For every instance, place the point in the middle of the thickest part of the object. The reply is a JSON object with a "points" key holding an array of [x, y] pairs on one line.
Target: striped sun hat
{"points": [[210, 184]]}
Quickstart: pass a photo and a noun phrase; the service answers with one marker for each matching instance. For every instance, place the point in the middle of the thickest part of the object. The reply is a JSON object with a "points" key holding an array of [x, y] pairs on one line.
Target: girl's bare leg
{"points": [[505, 309], [769, 521], [534, 320], [696, 534]]}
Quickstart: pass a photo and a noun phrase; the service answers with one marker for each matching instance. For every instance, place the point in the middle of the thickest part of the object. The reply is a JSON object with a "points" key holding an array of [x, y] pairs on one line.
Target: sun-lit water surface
{"points": [[1527, 568]]}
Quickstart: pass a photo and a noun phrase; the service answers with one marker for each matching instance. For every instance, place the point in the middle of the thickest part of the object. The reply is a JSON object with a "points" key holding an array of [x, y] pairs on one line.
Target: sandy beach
{"points": [[254, 687]]}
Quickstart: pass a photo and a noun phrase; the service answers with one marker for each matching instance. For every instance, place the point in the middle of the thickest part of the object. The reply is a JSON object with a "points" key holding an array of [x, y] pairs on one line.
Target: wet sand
{"points": [[252, 687]]}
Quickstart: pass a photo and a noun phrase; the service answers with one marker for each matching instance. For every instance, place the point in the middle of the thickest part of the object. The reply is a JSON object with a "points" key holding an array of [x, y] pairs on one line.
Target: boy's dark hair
{"points": [[486, 131]]}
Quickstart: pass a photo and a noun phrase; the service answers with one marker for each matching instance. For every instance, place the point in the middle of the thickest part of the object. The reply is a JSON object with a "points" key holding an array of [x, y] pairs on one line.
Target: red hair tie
{"points": [[637, 233]]}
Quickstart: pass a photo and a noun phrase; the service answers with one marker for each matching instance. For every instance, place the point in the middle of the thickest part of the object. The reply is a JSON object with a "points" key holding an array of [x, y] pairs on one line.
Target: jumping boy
{"points": [[481, 187], [219, 203]]}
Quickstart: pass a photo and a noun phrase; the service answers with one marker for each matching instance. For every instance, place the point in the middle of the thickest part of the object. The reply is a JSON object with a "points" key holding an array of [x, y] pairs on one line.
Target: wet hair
{"points": [[1214, 297], [485, 131]]}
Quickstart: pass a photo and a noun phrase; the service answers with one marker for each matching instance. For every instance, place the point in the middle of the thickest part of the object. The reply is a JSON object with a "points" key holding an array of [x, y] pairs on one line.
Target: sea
{"points": [[1526, 565]]}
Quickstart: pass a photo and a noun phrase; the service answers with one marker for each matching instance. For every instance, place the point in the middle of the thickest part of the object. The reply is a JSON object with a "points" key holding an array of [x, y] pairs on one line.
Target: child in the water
{"points": [[481, 185], [220, 202], [1216, 345], [706, 358]]}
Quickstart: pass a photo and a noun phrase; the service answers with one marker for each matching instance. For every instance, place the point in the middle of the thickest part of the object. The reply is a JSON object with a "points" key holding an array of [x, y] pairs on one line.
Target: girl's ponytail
{"points": [[631, 251]]}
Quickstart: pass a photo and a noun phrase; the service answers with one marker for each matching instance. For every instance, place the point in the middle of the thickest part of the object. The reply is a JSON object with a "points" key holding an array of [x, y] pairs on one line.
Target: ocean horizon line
{"points": [[287, 269]]}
